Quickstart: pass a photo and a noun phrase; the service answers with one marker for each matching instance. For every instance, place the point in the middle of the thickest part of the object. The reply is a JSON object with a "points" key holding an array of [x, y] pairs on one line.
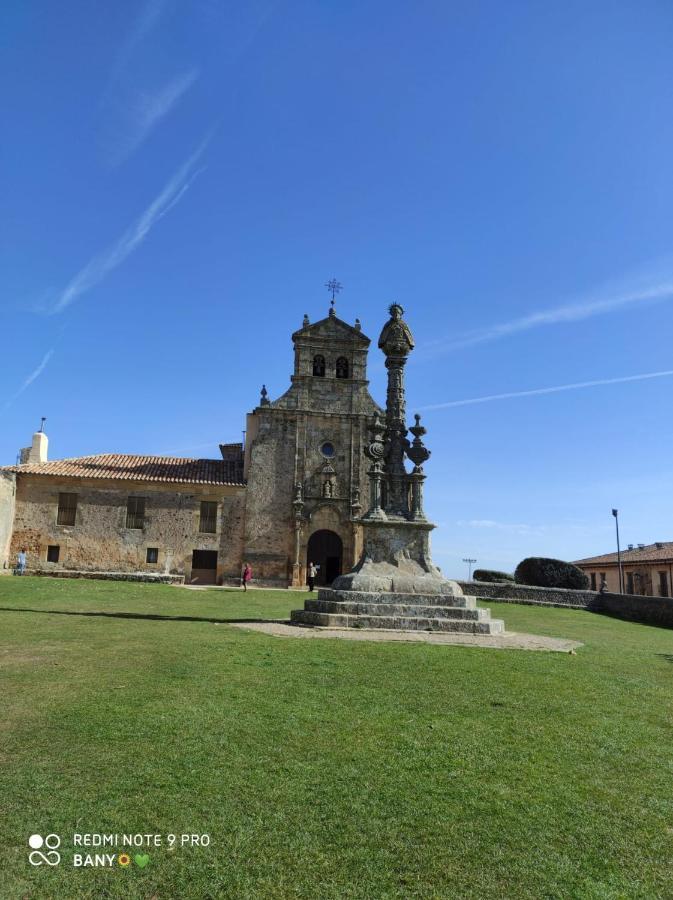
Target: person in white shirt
{"points": [[310, 576]]}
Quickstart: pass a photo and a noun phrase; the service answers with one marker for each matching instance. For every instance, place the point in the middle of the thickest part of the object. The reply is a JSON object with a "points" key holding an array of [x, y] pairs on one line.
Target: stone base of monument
{"points": [[397, 611]]}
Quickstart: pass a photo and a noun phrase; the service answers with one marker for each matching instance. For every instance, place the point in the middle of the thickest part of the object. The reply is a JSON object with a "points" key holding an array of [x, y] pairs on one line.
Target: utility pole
{"points": [[615, 513], [469, 562]]}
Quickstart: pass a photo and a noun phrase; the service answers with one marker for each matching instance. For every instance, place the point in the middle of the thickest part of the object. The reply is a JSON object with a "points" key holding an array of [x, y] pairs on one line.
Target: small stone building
{"points": [[291, 495]]}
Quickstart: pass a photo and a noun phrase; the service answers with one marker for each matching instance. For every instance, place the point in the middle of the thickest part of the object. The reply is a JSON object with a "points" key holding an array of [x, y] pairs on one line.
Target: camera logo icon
{"points": [[50, 857]]}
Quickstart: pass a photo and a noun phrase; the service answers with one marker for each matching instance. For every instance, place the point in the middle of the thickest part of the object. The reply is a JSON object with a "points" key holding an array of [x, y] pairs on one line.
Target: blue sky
{"points": [[180, 179]]}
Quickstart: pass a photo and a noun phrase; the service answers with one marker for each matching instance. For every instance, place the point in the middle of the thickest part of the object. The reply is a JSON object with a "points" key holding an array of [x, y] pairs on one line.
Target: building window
{"points": [[67, 508], [53, 552], [319, 366], [604, 579], [135, 512], [629, 583], [593, 581], [208, 518], [342, 367], [327, 449], [663, 584], [152, 554]]}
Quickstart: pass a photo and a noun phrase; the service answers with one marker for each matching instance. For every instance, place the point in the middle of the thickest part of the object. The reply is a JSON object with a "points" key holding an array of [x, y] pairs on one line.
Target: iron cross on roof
{"points": [[333, 286]]}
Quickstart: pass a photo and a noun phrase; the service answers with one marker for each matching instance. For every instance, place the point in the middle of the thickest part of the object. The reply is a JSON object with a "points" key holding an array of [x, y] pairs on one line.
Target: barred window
{"points": [[208, 518], [135, 512], [67, 508], [319, 366]]}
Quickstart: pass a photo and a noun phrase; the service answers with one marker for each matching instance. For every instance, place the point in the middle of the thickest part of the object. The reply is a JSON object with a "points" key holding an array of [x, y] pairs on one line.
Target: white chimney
{"points": [[38, 452]]}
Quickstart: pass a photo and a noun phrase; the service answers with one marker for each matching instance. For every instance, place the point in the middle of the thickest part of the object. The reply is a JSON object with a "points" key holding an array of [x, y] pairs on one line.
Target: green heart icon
{"points": [[141, 859]]}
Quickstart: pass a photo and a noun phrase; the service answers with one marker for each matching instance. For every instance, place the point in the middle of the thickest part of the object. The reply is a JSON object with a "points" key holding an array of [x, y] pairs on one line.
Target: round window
{"points": [[327, 449]]}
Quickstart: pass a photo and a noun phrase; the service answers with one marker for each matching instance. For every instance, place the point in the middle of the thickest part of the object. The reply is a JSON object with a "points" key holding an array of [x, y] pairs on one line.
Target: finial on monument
{"points": [[306, 321], [264, 397], [358, 325]]}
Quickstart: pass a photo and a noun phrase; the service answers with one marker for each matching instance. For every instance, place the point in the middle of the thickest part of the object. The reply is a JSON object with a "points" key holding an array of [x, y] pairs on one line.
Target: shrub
{"points": [[538, 571], [492, 575]]}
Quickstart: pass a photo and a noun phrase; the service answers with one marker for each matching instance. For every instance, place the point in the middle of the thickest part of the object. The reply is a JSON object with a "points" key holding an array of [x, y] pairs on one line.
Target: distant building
{"points": [[648, 569], [292, 495]]}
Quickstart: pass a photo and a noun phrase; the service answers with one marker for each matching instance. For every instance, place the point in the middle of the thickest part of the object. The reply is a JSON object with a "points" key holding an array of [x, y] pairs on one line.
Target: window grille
{"points": [[135, 512], [67, 509], [208, 518]]}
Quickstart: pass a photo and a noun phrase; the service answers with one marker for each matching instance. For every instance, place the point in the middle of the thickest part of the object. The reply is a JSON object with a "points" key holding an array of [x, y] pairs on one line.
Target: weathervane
{"points": [[333, 286]]}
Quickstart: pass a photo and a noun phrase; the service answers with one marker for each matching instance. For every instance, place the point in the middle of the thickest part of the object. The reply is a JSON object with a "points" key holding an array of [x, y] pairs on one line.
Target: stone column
{"points": [[418, 454], [375, 451], [397, 342], [298, 506]]}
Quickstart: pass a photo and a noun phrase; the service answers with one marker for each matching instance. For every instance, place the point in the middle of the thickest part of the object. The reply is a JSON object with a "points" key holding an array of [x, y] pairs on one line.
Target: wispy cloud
{"points": [[139, 113], [103, 263], [550, 390], [131, 113], [147, 19], [576, 311], [31, 378]]}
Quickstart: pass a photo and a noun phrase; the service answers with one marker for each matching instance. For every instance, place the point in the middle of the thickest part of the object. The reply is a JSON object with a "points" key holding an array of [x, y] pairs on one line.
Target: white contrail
{"points": [[569, 312], [102, 264], [31, 378], [142, 112], [550, 390]]}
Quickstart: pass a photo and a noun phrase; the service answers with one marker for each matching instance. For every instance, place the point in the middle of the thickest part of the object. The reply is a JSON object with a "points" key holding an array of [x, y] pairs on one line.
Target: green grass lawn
{"points": [[329, 768]]}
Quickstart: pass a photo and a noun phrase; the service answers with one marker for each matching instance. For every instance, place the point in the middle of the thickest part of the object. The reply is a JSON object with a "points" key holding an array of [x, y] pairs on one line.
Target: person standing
{"points": [[310, 576], [21, 562], [246, 576]]}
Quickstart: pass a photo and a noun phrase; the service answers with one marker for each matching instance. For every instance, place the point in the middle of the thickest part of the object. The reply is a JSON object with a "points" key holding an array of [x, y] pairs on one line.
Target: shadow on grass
{"points": [[667, 656], [145, 616]]}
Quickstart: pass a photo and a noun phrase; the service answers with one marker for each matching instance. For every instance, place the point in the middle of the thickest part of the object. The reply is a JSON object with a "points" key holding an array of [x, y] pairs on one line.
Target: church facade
{"points": [[292, 494]]}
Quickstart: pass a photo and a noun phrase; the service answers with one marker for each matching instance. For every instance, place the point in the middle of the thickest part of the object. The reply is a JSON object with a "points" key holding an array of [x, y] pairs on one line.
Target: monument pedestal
{"points": [[398, 612], [396, 586]]}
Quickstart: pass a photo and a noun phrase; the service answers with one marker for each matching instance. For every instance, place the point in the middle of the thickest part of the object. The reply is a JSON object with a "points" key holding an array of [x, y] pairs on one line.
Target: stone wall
{"points": [[100, 541], [634, 607], [7, 497], [520, 593]]}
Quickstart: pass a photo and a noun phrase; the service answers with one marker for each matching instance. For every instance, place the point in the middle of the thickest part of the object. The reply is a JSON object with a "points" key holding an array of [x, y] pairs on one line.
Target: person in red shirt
{"points": [[246, 576]]}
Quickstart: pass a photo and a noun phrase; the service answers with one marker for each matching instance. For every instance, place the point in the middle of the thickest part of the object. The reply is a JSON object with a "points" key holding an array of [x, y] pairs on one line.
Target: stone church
{"points": [[292, 494]]}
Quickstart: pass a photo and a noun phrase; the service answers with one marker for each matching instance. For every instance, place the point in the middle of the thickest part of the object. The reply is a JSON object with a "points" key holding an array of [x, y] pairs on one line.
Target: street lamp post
{"points": [[469, 566], [615, 513]]}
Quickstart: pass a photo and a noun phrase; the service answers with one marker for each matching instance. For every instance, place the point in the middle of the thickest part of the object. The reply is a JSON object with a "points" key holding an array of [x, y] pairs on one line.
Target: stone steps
{"points": [[397, 610], [386, 598], [398, 623]]}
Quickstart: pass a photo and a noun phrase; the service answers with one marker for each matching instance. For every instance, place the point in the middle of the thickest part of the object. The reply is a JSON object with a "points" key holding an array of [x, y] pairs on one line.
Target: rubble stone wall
{"points": [[100, 541], [7, 497]]}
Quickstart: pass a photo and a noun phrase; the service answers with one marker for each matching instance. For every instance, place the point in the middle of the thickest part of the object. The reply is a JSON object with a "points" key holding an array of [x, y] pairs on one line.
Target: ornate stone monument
{"points": [[395, 584]]}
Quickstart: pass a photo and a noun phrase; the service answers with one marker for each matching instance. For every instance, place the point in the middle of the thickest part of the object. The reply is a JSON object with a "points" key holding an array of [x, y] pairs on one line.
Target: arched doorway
{"points": [[326, 551]]}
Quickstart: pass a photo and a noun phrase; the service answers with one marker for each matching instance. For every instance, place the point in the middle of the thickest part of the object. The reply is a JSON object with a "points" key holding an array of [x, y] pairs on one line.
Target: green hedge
{"points": [[492, 575], [539, 571]]}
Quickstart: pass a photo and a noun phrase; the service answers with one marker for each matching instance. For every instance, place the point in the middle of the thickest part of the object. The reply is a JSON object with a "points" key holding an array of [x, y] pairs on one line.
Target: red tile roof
{"points": [[659, 552], [137, 468]]}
